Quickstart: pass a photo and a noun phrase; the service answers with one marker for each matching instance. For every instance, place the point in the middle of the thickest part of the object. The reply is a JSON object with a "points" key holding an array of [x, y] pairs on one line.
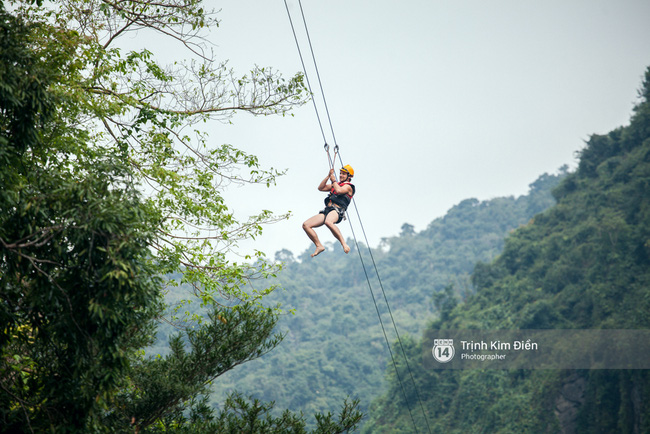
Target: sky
{"points": [[431, 102]]}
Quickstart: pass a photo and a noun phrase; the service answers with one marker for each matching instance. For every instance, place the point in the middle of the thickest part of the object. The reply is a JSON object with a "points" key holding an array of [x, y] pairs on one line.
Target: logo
{"points": [[443, 350]]}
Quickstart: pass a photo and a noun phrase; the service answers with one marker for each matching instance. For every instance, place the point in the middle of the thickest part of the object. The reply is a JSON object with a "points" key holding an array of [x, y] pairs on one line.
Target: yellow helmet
{"points": [[347, 168]]}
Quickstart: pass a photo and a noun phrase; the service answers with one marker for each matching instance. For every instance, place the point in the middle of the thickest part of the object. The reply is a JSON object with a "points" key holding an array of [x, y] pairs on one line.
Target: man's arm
{"points": [[324, 185]]}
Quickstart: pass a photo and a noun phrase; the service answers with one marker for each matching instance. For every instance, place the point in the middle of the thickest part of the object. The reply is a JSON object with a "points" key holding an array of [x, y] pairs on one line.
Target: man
{"points": [[340, 195]]}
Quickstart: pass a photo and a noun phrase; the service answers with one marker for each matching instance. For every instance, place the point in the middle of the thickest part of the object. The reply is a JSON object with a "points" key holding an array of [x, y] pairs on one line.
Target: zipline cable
{"points": [[302, 62], [295, 37], [322, 92], [354, 235], [361, 223]]}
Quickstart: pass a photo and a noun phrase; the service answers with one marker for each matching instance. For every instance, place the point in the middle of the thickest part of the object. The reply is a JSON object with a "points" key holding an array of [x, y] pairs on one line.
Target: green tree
{"points": [[78, 293], [151, 116], [86, 129]]}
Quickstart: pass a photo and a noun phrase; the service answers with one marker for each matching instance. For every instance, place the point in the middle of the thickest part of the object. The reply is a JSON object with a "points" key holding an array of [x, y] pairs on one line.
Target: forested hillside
{"points": [[583, 264], [334, 345]]}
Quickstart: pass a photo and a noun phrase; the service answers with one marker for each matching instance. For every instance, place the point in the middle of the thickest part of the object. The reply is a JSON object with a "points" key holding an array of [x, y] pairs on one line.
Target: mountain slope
{"points": [[584, 264]]}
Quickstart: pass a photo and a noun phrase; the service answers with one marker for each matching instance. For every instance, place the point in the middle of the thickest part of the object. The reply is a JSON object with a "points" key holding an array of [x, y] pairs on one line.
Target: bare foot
{"points": [[346, 248], [319, 249]]}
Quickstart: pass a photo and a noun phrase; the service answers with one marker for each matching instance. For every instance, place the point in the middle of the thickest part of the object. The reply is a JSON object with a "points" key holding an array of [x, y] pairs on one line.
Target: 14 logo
{"points": [[443, 350]]}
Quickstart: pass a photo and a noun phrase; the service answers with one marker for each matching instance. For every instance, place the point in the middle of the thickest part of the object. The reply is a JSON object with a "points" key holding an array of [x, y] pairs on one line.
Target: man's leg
{"points": [[309, 225], [330, 222]]}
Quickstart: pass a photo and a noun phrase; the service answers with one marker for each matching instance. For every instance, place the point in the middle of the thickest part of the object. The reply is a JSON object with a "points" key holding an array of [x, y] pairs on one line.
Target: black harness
{"points": [[340, 200]]}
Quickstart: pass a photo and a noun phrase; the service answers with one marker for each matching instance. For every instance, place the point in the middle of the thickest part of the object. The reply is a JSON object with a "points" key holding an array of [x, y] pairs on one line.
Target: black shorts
{"points": [[329, 209]]}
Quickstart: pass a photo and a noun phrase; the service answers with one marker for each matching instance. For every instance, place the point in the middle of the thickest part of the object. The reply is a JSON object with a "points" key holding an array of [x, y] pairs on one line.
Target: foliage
{"points": [[584, 263], [78, 293], [103, 190], [162, 386], [261, 420], [148, 115]]}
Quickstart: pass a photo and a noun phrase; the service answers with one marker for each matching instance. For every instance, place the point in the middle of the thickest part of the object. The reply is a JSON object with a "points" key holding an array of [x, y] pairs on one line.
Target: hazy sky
{"points": [[432, 102]]}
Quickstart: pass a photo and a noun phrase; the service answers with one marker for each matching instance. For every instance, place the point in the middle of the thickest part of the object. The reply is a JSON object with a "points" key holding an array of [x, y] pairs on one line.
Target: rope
{"points": [[362, 228], [322, 92], [399, 340], [331, 160], [383, 329]]}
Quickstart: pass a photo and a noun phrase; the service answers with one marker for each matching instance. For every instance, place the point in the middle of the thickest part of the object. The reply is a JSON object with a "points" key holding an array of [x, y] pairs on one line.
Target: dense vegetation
{"points": [[334, 345], [584, 263]]}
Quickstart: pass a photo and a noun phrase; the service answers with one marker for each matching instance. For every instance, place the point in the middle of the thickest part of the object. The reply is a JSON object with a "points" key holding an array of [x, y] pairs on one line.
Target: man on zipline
{"points": [[340, 195]]}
